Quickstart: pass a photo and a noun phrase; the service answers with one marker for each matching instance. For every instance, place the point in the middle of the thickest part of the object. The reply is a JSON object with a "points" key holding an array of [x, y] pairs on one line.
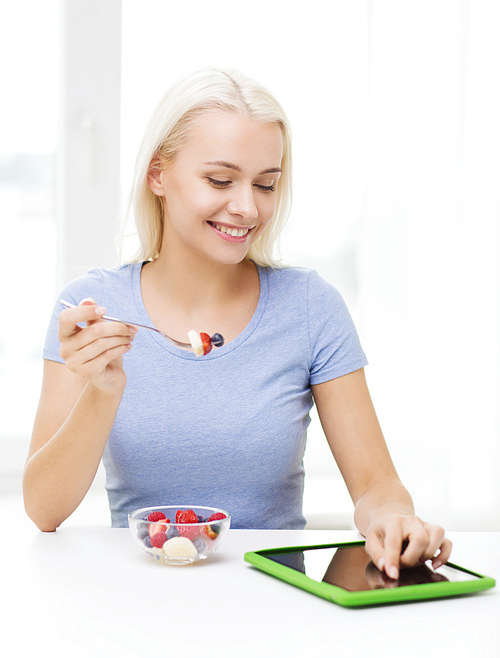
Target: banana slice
{"points": [[196, 344], [180, 547]]}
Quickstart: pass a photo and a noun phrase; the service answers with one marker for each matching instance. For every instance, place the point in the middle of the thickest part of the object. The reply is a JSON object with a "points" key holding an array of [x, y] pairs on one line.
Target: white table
{"points": [[93, 592]]}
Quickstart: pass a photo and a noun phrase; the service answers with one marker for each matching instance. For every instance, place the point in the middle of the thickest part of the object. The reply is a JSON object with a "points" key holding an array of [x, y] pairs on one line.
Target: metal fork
{"points": [[136, 324]]}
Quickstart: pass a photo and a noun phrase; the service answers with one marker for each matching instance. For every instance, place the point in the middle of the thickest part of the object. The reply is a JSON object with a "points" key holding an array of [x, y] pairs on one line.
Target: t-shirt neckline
{"points": [[216, 352]]}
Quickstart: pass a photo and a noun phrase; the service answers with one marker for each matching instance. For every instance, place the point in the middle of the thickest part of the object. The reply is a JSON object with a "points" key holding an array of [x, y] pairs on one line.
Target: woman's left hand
{"points": [[388, 534]]}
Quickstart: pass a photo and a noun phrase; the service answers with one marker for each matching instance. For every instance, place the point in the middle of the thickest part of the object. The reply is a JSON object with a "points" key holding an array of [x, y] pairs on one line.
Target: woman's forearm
{"points": [[386, 496], [57, 477]]}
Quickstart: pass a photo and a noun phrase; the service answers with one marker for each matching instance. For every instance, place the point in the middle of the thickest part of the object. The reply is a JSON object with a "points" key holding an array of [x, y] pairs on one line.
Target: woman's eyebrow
{"points": [[223, 163]]}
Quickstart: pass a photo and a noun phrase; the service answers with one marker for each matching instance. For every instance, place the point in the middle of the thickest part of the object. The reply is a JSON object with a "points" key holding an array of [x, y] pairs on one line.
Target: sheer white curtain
{"points": [[429, 251]]}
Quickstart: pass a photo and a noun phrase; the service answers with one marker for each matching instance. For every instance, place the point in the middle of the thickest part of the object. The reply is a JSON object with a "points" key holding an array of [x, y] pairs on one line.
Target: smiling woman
{"points": [[235, 95], [140, 403]]}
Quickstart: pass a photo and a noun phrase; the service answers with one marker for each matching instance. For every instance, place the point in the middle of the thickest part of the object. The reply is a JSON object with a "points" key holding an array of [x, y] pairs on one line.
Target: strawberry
{"points": [[156, 516], [188, 531], [188, 517], [207, 342]]}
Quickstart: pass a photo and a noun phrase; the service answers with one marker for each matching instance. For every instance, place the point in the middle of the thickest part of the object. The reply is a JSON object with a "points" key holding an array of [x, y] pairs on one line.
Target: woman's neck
{"points": [[196, 284]]}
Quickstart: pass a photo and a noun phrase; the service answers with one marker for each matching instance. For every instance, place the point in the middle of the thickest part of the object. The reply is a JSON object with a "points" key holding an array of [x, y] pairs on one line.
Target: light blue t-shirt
{"points": [[228, 429]]}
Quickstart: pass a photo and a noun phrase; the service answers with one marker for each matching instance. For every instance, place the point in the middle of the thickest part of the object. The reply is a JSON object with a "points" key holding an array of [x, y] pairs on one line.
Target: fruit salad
{"points": [[202, 343], [179, 536]]}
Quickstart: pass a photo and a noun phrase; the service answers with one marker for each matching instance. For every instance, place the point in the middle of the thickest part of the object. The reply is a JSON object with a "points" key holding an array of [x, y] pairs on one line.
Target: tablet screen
{"points": [[350, 567]]}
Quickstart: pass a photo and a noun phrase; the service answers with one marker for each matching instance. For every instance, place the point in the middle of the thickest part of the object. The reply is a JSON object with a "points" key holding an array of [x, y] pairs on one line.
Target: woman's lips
{"points": [[231, 233]]}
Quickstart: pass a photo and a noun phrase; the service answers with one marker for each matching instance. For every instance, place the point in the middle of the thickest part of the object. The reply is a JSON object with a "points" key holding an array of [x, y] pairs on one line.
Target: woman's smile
{"points": [[232, 233]]}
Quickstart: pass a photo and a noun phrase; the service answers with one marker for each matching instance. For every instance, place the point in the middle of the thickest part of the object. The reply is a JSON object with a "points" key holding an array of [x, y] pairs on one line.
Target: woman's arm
{"points": [[76, 412], [384, 511]]}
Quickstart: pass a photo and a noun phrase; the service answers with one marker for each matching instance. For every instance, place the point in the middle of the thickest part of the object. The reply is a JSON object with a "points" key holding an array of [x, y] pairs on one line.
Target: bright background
{"points": [[394, 106]]}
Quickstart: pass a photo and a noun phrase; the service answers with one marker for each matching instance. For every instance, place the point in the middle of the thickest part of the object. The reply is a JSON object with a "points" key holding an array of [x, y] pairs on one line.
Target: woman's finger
{"points": [[405, 541], [417, 542], [383, 545], [426, 542], [443, 555], [70, 318], [436, 538], [97, 337], [90, 351], [97, 330], [393, 542], [375, 549], [96, 368]]}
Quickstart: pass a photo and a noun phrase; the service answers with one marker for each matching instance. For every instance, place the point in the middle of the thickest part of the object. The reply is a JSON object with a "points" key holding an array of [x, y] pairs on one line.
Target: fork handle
{"points": [[136, 324]]}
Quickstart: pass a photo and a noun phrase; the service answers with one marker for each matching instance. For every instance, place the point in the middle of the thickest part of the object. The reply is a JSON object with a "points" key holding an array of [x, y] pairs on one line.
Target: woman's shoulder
{"points": [[288, 275], [300, 279], [99, 283]]}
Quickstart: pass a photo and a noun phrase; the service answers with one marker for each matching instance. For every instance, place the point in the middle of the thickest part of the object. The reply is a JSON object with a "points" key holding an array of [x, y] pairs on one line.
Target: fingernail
{"points": [[87, 301], [393, 573], [437, 564], [100, 310], [380, 564]]}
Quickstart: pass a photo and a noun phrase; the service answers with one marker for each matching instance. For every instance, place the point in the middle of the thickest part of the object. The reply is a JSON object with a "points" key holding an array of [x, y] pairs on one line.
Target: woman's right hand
{"points": [[95, 352]]}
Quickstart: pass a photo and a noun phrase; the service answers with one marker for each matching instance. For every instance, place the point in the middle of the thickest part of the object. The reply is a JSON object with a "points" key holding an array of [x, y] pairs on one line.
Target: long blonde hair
{"points": [[192, 95]]}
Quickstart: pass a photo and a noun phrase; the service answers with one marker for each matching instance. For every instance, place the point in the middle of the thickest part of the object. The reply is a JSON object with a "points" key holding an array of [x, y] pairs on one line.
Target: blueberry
{"points": [[142, 531], [172, 532], [217, 340], [147, 542], [200, 545], [216, 528], [200, 518]]}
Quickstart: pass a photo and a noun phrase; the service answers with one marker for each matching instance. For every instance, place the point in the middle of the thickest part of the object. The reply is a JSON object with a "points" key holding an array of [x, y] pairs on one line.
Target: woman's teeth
{"points": [[236, 232]]}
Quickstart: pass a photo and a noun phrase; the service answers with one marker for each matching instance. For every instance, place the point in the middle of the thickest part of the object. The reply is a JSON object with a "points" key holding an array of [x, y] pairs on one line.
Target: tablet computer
{"points": [[344, 574]]}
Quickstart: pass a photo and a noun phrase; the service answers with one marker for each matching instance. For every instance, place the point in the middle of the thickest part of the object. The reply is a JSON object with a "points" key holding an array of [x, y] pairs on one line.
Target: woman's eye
{"points": [[214, 182], [218, 183]]}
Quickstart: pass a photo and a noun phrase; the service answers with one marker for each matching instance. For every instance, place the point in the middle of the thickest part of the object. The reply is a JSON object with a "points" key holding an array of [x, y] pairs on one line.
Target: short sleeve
{"points": [[334, 342], [74, 292]]}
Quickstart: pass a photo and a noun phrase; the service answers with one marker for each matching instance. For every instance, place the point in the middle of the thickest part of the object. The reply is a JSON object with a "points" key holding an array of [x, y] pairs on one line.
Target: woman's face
{"points": [[220, 191]]}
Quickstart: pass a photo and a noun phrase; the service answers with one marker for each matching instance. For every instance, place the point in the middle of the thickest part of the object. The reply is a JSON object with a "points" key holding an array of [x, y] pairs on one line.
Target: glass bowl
{"points": [[171, 535]]}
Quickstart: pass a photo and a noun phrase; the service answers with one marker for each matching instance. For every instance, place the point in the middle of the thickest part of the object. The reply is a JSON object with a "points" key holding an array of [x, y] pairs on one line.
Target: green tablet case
{"points": [[260, 559]]}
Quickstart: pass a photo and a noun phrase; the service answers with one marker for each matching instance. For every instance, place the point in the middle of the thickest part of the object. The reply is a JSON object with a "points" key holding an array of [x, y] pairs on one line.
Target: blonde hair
{"points": [[195, 93]]}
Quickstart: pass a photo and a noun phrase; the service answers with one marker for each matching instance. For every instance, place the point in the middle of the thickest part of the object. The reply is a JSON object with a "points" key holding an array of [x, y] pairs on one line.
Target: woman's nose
{"points": [[243, 204]]}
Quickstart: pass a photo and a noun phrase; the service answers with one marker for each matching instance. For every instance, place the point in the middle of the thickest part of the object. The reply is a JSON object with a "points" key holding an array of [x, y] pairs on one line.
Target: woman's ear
{"points": [[155, 181]]}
